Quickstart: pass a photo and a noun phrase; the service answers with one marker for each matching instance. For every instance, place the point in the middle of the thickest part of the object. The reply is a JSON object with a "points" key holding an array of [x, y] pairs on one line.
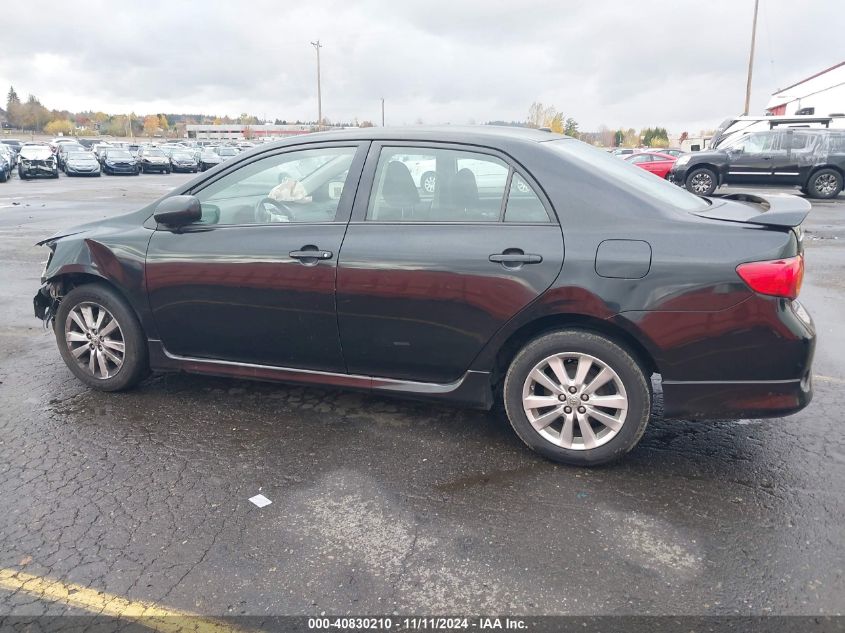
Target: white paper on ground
{"points": [[260, 501]]}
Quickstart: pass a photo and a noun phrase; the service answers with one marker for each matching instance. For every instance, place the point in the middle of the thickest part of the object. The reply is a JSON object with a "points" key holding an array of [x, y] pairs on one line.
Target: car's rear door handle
{"points": [[515, 258]]}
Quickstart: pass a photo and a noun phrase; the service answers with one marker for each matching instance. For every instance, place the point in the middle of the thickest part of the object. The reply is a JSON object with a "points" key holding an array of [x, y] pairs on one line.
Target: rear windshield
{"points": [[623, 172]]}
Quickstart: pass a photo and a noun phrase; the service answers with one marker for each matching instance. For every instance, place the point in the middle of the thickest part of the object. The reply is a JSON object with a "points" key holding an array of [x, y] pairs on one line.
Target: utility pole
{"points": [[751, 59], [317, 46], [382, 111]]}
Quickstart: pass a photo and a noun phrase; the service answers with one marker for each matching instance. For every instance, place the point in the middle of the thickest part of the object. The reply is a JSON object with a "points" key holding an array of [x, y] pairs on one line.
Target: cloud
{"points": [[653, 62]]}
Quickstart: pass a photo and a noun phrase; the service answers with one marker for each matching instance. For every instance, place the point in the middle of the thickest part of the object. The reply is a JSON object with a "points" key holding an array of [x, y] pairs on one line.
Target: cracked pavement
{"points": [[387, 506]]}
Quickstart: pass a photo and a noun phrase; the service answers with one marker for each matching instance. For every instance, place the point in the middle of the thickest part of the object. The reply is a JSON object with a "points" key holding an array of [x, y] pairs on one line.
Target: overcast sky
{"points": [[676, 63]]}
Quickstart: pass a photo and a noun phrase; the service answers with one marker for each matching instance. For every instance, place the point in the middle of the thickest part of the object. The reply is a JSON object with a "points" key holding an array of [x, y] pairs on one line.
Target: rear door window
{"points": [[437, 185]]}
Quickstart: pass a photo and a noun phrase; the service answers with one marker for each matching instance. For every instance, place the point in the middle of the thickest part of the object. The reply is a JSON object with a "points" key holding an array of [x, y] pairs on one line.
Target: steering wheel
{"points": [[280, 212]]}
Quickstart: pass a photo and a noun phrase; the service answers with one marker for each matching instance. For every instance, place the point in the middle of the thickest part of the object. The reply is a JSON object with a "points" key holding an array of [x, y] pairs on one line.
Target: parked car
{"points": [[14, 143], [657, 163], [345, 277], [99, 150], [56, 143], [183, 160], [226, 151], [37, 160], [153, 159], [81, 163], [88, 143], [5, 167], [812, 159], [208, 159], [64, 149], [669, 152], [118, 161], [10, 158]]}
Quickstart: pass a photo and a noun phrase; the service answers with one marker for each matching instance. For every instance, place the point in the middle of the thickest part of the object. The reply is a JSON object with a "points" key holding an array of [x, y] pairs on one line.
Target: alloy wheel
{"points": [[430, 183], [95, 339], [701, 183], [825, 184], [575, 401]]}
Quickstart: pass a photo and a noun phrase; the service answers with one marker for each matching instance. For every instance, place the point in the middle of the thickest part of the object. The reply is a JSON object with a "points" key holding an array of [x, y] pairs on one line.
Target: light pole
{"points": [[317, 46], [751, 59], [382, 111]]}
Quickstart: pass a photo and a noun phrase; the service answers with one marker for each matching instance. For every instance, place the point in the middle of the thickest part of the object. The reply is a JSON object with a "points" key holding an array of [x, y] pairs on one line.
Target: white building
{"points": [[822, 94]]}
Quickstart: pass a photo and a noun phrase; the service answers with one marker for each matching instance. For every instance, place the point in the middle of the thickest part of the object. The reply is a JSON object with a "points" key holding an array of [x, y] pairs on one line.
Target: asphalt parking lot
{"points": [[383, 506]]}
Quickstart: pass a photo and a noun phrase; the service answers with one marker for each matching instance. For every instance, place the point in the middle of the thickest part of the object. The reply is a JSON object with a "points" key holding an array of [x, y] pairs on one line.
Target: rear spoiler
{"points": [[782, 210]]}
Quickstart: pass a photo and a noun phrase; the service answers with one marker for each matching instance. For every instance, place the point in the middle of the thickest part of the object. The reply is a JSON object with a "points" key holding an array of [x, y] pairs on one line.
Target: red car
{"points": [[655, 162]]}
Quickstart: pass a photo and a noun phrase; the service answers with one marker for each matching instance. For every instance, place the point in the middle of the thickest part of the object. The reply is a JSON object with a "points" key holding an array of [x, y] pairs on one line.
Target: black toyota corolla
{"points": [[540, 272]]}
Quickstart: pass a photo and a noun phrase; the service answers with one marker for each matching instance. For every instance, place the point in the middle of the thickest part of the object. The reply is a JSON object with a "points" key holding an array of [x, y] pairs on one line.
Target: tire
{"points": [[702, 181], [428, 182], [3, 175], [134, 365], [21, 174], [824, 184], [628, 383]]}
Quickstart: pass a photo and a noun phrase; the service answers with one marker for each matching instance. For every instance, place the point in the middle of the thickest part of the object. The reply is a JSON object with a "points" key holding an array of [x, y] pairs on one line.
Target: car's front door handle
{"points": [[313, 253], [517, 258]]}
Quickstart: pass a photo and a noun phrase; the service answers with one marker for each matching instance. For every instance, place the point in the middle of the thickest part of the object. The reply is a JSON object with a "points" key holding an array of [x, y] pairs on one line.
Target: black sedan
{"points": [[541, 272], [118, 161], [183, 160], [153, 159], [209, 158], [81, 164]]}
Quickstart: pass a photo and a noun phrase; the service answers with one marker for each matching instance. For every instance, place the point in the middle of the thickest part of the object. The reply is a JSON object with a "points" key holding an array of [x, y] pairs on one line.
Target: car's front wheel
{"points": [[825, 183], [577, 397], [702, 181], [100, 338]]}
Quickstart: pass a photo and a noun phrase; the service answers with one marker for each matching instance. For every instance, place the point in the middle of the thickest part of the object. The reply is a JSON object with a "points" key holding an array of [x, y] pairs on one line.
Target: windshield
{"points": [[182, 155], [623, 172], [119, 154], [154, 152], [80, 156], [227, 151]]}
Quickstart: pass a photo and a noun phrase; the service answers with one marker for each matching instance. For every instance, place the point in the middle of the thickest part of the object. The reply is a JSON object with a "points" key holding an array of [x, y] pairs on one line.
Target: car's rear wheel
{"points": [[825, 183], [100, 338], [577, 397], [701, 181], [429, 182]]}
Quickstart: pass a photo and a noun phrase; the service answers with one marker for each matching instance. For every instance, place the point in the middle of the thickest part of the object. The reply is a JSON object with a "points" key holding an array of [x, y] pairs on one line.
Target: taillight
{"points": [[778, 277]]}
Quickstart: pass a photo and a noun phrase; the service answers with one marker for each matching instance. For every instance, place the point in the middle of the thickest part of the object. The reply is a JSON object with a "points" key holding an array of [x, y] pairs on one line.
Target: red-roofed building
{"points": [[822, 94]]}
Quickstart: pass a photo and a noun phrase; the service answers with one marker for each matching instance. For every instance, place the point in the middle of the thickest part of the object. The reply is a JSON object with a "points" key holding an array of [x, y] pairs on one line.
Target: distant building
{"points": [[238, 131], [822, 94]]}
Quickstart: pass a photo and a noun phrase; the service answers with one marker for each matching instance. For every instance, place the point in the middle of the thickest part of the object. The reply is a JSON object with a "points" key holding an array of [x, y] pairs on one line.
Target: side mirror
{"points": [[178, 211]]}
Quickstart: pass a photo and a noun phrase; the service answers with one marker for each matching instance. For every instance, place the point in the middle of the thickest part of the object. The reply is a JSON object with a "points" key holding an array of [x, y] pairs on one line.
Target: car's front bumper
{"points": [[82, 171], [121, 169], [35, 169], [678, 175], [184, 167]]}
